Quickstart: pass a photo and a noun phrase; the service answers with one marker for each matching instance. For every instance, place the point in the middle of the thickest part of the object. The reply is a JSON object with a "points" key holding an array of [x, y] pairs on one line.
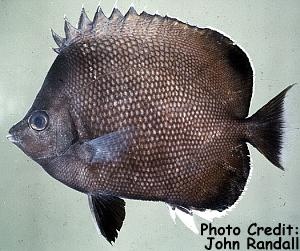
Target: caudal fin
{"points": [[266, 128]]}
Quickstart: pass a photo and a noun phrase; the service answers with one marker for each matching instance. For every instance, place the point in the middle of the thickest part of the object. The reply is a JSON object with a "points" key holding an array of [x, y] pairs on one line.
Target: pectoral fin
{"points": [[108, 147], [108, 213]]}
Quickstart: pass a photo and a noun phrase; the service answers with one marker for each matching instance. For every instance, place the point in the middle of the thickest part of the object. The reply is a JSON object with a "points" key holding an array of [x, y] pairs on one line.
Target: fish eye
{"points": [[38, 120]]}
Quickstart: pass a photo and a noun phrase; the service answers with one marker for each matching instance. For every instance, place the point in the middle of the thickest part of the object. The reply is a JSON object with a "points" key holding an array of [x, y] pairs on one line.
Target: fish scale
{"points": [[147, 107], [172, 121], [142, 96]]}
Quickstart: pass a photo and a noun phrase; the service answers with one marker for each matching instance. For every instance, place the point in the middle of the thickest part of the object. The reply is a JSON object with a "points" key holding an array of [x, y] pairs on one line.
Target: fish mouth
{"points": [[12, 138]]}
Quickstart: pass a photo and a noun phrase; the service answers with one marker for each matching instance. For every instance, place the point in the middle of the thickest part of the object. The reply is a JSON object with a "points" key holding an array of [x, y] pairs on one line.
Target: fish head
{"points": [[43, 134], [47, 130]]}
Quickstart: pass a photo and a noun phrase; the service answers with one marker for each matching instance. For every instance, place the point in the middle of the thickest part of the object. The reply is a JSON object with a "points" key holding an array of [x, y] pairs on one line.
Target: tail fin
{"points": [[266, 128]]}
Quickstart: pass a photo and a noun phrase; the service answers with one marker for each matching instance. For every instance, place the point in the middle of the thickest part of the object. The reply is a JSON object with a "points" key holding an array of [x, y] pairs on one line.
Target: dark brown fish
{"points": [[147, 107]]}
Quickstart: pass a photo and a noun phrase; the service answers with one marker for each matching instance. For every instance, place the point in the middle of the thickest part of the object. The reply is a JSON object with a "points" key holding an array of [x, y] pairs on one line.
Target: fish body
{"points": [[147, 107]]}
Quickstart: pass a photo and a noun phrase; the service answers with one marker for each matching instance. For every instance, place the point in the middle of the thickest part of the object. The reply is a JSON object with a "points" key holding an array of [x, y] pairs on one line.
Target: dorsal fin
{"points": [[210, 50], [131, 21]]}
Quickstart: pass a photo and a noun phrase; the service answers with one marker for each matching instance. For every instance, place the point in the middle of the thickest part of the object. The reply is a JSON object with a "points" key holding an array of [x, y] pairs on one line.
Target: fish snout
{"points": [[13, 133], [11, 138]]}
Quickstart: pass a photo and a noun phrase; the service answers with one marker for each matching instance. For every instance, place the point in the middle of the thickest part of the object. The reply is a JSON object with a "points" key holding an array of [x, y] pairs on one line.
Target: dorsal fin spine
{"points": [[84, 22], [131, 12], [115, 14], [71, 31], [57, 50], [99, 15], [58, 39]]}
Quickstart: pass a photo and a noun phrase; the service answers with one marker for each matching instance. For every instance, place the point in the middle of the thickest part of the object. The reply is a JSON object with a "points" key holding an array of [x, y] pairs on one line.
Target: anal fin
{"points": [[108, 213], [232, 173]]}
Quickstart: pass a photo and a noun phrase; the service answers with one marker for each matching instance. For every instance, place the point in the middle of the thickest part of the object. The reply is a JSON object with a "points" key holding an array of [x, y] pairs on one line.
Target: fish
{"points": [[146, 107]]}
